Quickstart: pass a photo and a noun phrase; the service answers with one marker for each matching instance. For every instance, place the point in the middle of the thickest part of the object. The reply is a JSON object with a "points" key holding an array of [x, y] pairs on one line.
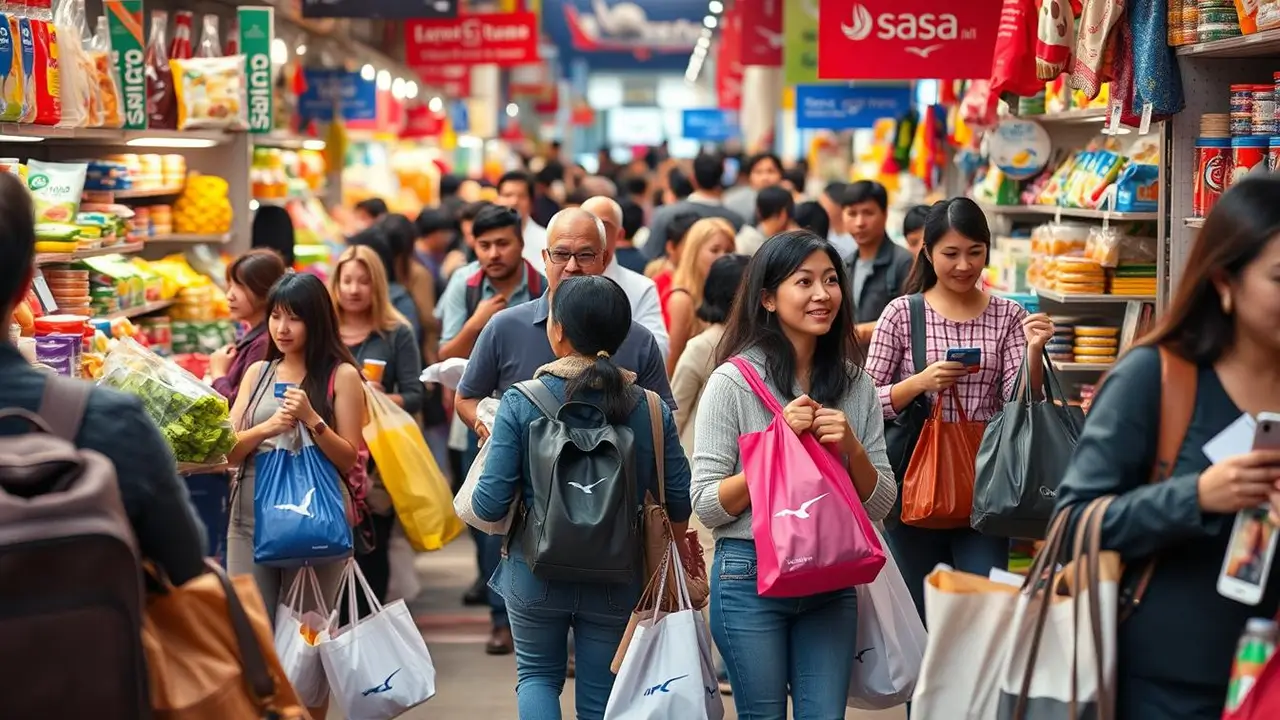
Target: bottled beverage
{"points": [[233, 38], [210, 46], [181, 47], [162, 109], [1257, 644]]}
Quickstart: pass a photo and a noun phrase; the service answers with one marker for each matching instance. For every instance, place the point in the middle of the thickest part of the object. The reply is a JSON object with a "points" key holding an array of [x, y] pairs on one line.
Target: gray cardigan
{"points": [[729, 409]]}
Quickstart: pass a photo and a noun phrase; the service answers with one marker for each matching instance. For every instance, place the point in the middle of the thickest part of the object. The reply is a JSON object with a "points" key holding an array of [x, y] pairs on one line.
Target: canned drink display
{"points": [[1213, 167], [1246, 154]]}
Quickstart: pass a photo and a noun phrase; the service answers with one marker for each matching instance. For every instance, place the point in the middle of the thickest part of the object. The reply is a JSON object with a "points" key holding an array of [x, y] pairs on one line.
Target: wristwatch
{"points": [[320, 428]]}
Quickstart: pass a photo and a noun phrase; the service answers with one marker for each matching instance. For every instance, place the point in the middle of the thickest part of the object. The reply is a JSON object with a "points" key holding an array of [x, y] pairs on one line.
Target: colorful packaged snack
{"points": [[211, 93], [55, 189]]}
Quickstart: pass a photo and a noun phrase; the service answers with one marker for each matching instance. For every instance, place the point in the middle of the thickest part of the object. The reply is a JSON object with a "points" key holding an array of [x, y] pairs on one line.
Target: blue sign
{"points": [[838, 107], [710, 125], [355, 97], [625, 35]]}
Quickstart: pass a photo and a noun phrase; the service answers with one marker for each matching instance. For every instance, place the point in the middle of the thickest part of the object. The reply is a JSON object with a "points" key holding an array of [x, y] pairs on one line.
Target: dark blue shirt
{"points": [[513, 345], [156, 500], [631, 258]]}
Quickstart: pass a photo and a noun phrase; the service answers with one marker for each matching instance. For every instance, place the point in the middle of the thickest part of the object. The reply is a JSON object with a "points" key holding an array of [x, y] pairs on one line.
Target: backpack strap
{"points": [[541, 397], [919, 343], [659, 445], [63, 404], [474, 288]]}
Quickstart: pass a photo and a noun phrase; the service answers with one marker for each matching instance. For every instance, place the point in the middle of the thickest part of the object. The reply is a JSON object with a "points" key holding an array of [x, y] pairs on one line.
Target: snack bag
{"points": [[76, 82], [105, 77], [55, 189], [11, 78], [211, 93]]}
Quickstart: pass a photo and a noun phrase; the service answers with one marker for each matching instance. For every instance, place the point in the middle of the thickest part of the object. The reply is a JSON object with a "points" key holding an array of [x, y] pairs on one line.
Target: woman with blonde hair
{"points": [[708, 239], [383, 344]]}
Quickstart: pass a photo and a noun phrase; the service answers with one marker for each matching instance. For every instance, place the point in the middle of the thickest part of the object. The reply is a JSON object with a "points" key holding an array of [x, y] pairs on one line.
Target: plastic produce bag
{"points": [[192, 416], [298, 638], [419, 491], [379, 666], [485, 413]]}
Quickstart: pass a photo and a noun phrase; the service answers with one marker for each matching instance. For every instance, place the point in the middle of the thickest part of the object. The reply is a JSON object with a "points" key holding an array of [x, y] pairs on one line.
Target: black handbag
{"points": [[902, 432], [1024, 454]]}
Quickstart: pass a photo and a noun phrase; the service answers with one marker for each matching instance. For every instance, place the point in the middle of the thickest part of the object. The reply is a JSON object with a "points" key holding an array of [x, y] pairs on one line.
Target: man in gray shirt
{"points": [[706, 201]]}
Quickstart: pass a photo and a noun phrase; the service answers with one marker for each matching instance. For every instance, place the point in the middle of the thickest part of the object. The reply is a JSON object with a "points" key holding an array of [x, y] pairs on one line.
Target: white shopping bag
{"points": [[891, 641], [486, 411], [667, 671], [379, 666], [404, 582], [300, 658]]}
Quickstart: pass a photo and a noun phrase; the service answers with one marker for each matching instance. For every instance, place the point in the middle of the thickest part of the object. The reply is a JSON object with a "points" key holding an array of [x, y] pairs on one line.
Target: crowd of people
{"points": [[581, 297]]}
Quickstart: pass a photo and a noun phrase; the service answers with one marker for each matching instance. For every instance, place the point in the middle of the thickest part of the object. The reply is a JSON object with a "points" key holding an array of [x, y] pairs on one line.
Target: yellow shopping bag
{"points": [[419, 491]]}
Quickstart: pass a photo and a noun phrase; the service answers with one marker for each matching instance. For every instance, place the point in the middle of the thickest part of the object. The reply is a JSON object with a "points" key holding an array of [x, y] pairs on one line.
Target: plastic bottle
{"points": [[10, 66], [162, 110], [210, 45], [233, 38], [20, 25], [181, 47], [1256, 647]]}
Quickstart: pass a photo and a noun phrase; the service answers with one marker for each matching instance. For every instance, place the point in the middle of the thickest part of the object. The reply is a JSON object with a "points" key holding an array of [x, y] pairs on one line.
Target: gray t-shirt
{"points": [[861, 272]]}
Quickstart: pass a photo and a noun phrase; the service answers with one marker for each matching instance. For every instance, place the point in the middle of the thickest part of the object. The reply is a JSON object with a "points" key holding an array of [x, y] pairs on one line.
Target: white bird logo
{"points": [[304, 509], [923, 52], [862, 24], [803, 512], [774, 39], [587, 488]]}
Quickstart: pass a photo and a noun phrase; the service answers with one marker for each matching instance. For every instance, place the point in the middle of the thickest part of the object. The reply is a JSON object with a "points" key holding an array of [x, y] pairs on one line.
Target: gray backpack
{"points": [[583, 522]]}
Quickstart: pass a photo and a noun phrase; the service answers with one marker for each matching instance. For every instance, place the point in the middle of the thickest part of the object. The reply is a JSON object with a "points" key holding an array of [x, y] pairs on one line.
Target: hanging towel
{"points": [[1122, 75], [1053, 38], [1097, 21], [1156, 79]]}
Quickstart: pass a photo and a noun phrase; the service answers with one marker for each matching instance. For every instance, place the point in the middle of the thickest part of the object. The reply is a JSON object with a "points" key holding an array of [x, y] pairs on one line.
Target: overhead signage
{"points": [[453, 81], [800, 42], [838, 107], [421, 122], [347, 93], [623, 34], [257, 29], [710, 125], [906, 39], [504, 39], [380, 9], [728, 54], [124, 23], [762, 31]]}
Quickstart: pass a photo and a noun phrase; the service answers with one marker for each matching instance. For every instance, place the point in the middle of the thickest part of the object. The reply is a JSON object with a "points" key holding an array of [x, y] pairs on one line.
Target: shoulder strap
{"points": [[259, 390], [919, 342], [63, 404], [659, 446], [533, 279], [474, 288], [540, 396]]}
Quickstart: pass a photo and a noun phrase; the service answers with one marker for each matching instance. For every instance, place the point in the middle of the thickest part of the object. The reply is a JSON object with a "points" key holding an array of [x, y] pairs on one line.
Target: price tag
{"points": [[1113, 126], [1145, 126]]}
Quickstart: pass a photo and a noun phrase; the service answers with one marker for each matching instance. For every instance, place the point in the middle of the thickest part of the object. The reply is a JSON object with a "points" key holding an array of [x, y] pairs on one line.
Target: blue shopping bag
{"points": [[300, 517]]}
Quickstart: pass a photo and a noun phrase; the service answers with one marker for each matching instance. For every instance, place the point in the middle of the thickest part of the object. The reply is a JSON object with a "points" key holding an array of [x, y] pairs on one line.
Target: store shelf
{"points": [[119, 249], [141, 192], [139, 310], [1058, 297], [1068, 212], [287, 141], [172, 139], [1083, 367], [1070, 117], [191, 239], [1193, 222], [1261, 44]]}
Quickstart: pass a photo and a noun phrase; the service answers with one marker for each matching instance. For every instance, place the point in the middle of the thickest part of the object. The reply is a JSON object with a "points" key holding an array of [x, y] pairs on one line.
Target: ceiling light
{"points": [[302, 50], [172, 142], [411, 90], [279, 52], [715, 7], [435, 104], [384, 80], [709, 21], [313, 145], [512, 110], [397, 88], [704, 41], [367, 72]]}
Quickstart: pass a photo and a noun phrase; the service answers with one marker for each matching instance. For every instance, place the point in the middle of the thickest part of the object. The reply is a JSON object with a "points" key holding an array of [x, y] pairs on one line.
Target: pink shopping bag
{"points": [[812, 534]]}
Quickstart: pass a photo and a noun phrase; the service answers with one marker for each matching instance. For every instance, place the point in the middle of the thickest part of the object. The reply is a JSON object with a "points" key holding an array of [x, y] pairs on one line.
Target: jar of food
{"points": [[1264, 110]]}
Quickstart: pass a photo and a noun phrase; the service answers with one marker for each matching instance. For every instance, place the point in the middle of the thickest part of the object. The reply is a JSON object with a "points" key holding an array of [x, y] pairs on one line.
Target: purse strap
{"points": [[659, 444], [251, 657]]}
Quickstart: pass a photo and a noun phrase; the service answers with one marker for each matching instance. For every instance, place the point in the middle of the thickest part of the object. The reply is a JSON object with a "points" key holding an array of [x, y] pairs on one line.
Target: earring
{"points": [[1226, 304]]}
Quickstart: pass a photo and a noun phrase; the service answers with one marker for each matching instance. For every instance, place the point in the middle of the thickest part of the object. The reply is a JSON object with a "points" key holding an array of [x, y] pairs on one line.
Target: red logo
{"points": [[906, 39], [1215, 173], [504, 39], [762, 33]]}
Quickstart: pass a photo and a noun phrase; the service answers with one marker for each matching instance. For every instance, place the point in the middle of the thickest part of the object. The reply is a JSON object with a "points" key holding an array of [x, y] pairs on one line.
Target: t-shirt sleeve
{"points": [[452, 308], [480, 379]]}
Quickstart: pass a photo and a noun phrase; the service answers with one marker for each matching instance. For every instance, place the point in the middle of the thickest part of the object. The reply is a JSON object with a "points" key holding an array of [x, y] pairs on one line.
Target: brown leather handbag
{"points": [[937, 489], [210, 652]]}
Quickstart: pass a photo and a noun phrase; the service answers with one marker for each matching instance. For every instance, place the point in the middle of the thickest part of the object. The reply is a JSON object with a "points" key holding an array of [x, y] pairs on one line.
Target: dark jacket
{"points": [[169, 533], [1175, 650], [251, 348], [889, 271], [404, 364], [401, 300]]}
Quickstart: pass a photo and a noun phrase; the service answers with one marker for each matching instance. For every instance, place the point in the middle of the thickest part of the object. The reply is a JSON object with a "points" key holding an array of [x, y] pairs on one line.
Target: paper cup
{"points": [[373, 370]]}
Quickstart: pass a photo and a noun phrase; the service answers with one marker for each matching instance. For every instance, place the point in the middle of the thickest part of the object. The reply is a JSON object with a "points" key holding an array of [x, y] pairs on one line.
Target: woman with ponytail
{"points": [[589, 320], [957, 314]]}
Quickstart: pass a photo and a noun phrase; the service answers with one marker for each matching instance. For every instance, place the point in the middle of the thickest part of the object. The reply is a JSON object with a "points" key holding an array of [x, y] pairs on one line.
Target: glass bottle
{"points": [[181, 47], [162, 109], [210, 44], [233, 39]]}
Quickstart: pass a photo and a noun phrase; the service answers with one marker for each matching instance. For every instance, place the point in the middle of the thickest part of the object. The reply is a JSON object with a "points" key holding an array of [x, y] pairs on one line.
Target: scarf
{"points": [[1053, 38], [571, 367], [1096, 23]]}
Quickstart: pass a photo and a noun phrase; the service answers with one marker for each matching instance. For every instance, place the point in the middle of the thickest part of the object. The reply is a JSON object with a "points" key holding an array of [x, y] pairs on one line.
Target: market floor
{"points": [[471, 685]]}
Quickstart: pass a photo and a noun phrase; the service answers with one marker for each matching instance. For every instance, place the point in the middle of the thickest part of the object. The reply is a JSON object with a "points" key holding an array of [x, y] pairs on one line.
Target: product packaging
{"points": [[210, 93], [55, 189]]}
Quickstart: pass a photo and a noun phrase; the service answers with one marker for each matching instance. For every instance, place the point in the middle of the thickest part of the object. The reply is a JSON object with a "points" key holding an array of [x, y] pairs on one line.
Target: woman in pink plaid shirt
{"points": [[958, 314]]}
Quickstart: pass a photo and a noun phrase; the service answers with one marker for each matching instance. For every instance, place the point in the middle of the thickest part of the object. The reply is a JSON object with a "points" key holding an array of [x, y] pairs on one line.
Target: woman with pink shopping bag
{"points": [[789, 481]]}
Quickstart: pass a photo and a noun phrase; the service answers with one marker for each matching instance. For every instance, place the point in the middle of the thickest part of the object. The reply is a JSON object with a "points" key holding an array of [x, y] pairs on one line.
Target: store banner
{"points": [[839, 107], [257, 29], [800, 42], [762, 38], [347, 93], [380, 9], [454, 81], [907, 39], [124, 23], [623, 34], [727, 51], [506, 40], [710, 125]]}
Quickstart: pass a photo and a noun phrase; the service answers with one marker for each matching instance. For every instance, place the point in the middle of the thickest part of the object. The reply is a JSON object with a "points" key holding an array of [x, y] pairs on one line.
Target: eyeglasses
{"points": [[562, 257]]}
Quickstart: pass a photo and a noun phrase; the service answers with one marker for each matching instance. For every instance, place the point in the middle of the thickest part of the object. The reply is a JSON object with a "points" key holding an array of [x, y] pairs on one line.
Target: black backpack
{"points": [[583, 522], [903, 432]]}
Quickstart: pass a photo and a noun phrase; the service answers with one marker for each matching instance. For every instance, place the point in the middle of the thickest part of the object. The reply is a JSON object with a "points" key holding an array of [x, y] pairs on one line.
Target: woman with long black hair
{"points": [[793, 322]]}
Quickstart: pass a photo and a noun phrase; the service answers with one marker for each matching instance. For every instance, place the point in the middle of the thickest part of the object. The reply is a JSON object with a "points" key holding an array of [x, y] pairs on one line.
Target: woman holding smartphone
{"points": [[1213, 353], [957, 314]]}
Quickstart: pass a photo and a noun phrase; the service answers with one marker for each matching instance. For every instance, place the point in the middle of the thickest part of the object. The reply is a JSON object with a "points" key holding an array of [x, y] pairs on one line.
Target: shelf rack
{"points": [[117, 249], [1067, 212], [139, 310], [1091, 298]]}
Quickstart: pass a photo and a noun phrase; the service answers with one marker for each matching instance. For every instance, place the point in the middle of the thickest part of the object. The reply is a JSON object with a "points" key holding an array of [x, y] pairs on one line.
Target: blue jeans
{"points": [[542, 614], [919, 550], [773, 647], [488, 547]]}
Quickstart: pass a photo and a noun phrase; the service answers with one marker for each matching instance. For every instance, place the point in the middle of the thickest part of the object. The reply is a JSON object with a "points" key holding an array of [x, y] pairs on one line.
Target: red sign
{"points": [[454, 81], [762, 34], [729, 69], [906, 39], [505, 39], [420, 122]]}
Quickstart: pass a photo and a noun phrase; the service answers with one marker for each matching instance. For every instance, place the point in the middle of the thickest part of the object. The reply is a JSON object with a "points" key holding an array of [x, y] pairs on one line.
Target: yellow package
{"points": [[12, 81], [210, 93]]}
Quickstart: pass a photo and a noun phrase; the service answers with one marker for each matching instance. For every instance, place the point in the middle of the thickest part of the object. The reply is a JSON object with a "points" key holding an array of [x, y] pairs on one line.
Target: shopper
{"points": [[367, 212], [913, 227], [958, 314], [1175, 650], [796, 180], [879, 268], [811, 216], [515, 190], [249, 280], [706, 201], [775, 212], [590, 322], [436, 231], [414, 277], [306, 351], [272, 229], [381, 341], [646, 308], [792, 321], [761, 171], [376, 239], [633, 225], [831, 198], [707, 240]]}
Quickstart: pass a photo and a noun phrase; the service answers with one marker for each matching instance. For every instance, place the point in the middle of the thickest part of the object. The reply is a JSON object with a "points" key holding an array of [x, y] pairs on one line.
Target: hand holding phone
{"points": [[1249, 554], [970, 358], [1250, 479]]}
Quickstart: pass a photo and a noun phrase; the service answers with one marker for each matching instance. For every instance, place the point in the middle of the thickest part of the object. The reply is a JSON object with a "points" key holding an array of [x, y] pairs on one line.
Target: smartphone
{"points": [[1266, 433], [1249, 554], [971, 358]]}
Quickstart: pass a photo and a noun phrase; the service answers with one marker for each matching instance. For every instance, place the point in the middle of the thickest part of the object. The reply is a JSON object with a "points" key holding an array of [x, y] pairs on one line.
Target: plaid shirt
{"points": [[998, 331]]}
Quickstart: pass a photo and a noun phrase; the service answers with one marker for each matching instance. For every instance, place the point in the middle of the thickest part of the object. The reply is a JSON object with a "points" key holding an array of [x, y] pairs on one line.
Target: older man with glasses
{"points": [[646, 308], [513, 345]]}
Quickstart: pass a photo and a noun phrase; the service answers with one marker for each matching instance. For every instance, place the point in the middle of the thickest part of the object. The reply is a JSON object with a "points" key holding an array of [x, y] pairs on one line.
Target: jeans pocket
{"points": [[523, 587], [737, 568]]}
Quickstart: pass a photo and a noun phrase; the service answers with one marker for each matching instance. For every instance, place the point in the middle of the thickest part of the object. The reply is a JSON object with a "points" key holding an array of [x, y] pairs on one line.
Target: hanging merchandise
{"points": [[162, 111], [233, 37], [1157, 80], [77, 97], [1097, 21], [1013, 70], [900, 154], [1053, 38], [1020, 148]]}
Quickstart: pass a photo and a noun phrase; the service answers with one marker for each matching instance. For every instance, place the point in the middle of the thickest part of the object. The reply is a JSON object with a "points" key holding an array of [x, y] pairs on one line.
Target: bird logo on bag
{"points": [[304, 509], [803, 512], [384, 687], [663, 688], [858, 657]]}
